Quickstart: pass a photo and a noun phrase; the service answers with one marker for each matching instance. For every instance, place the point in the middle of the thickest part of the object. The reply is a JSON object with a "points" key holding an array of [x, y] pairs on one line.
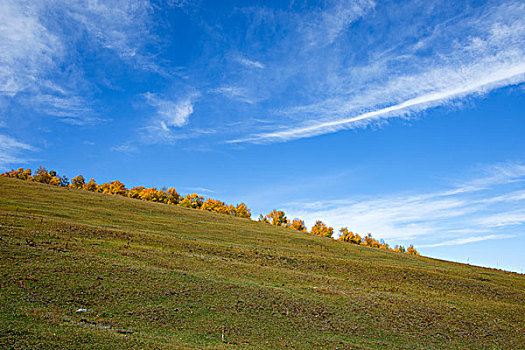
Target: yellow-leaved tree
{"points": [[369, 241], [399, 249], [215, 206], [192, 201], [277, 217], [42, 175], [298, 224], [91, 186], [20, 173], [349, 236], [320, 229], [78, 182], [134, 192], [411, 250], [173, 196], [242, 211], [117, 188], [150, 194], [104, 188]]}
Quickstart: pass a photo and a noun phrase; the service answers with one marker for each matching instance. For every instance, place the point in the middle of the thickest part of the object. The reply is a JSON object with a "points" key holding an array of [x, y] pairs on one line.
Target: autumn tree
{"points": [[399, 249], [263, 218], [55, 181], [369, 241], [277, 217], [345, 235], [11, 173], [320, 229], [242, 211], [20, 173], [42, 175], [104, 188], [192, 201], [91, 186], [349, 236], [78, 182], [149, 194], [163, 196], [411, 250], [298, 224], [134, 192], [25, 174], [173, 196], [215, 206], [117, 188]]}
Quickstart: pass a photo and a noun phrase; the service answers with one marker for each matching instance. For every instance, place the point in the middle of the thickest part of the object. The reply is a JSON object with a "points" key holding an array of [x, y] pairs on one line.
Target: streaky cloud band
{"points": [[500, 78]]}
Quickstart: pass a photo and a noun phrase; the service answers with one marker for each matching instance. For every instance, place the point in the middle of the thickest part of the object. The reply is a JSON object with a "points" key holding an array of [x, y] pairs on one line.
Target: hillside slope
{"points": [[159, 276]]}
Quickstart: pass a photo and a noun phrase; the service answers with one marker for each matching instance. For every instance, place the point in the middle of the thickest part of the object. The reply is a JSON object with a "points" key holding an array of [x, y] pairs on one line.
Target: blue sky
{"points": [[405, 120]]}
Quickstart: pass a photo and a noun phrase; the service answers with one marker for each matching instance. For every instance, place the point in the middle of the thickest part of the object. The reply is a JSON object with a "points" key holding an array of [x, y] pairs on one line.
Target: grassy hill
{"points": [[166, 277]]}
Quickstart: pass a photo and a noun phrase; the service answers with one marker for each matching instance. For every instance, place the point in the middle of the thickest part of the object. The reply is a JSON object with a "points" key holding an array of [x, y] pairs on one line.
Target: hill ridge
{"points": [[172, 278], [171, 197]]}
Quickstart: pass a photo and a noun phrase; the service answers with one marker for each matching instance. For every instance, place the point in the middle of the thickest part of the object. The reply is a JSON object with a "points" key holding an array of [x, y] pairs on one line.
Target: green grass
{"points": [[165, 277]]}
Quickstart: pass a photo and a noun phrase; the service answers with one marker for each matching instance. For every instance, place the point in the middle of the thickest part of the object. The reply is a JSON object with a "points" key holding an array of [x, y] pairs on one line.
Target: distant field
{"points": [[155, 276]]}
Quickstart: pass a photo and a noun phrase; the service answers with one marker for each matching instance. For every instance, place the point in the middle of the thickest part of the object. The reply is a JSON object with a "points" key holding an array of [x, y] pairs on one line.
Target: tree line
{"points": [[278, 218], [165, 195], [171, 197]]}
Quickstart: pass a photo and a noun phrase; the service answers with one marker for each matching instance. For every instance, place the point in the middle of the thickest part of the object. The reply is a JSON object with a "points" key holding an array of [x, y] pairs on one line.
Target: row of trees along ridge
{"points": [[278, 218], [171, 197], [167, 196]]}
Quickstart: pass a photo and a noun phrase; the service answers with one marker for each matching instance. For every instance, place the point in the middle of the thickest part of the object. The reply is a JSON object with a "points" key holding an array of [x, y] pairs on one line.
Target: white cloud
{"points": [[11, 150], [200, 190], [70, 109], [250, 63], [39, 61], [467, 240], [169, 114], [508, 218], [406, 69], [322, 27], [488, 81], [26, 48], [484, 204], [121, 26], [235, 93]]}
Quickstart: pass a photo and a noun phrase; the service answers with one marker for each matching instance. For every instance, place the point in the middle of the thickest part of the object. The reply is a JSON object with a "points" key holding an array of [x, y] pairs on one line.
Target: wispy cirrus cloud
{"points": [[492, 80], [120, 26], [30, 55], [26, 48], [507, 218], [427, 63], [236, 93], [467, 240], [200, 190], [250, 63], [126, 148], [322, 27], [42, 47], [481, 208], [11, 151]]}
